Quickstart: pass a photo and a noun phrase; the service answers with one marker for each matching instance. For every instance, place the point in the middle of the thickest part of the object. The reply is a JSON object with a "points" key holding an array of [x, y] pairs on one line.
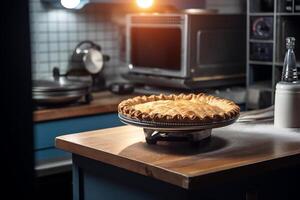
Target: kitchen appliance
{"points": [[289, 6], [88, 60], [261, 51], [121, 88], [296, 5], [262, 28], [186, 50], [261, 37], [59, 91], [287, 95], [267, 32], [262, 6], [178, 132]]}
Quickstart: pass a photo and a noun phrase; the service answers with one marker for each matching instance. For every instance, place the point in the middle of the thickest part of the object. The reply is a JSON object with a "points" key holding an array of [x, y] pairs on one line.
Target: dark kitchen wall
{"points": [[17, 164], [56, 32]]}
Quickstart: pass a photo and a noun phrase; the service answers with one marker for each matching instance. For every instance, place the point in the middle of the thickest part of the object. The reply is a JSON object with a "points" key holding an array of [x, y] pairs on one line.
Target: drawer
{"points": [[52, 161]]}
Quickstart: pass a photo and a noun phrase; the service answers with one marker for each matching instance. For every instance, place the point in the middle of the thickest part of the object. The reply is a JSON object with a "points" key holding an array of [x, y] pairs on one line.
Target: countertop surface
{"points": [[234, 151], [103, 102]]}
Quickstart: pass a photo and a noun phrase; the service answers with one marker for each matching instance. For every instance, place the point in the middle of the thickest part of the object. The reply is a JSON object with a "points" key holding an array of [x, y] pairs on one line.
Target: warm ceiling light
{"points": [[70, 3], [144, 3]]}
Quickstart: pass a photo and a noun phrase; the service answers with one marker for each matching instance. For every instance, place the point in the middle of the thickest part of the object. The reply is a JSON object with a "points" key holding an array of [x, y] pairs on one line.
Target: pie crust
{"points": [[195, 108]]}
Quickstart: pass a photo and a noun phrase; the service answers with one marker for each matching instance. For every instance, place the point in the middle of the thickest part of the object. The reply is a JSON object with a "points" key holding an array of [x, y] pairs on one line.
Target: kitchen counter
{"points": [[104, 102], [235, 151]]}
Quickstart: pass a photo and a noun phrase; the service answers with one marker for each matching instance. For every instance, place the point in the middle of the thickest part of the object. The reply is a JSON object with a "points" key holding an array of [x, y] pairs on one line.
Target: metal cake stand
{"points": [[171, 131]]}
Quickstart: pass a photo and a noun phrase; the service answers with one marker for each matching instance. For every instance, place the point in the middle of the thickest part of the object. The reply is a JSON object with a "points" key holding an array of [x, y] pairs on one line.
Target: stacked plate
{"points": [[59, 90]]}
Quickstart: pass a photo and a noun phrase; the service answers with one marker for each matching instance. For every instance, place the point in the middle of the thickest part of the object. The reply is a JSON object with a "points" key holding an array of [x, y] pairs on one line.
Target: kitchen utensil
{"points": [[88, 60], [88, 57], [121, 88], [60, 90]]}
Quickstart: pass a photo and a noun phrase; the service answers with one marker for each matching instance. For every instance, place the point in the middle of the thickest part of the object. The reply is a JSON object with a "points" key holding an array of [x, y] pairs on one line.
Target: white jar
{"points": [[287, 105]]}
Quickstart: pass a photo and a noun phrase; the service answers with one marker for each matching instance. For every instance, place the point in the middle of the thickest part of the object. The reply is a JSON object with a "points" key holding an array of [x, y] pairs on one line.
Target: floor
{"points": [[58, 187]]}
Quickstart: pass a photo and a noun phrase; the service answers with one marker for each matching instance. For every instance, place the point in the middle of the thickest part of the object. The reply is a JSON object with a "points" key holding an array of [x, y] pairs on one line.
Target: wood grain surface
{"points": [[237, 150], [104, 102]]}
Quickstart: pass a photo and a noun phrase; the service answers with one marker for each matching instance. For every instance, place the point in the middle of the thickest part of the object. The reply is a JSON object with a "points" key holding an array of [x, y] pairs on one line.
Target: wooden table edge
{"points": [[181, 180], [140, 167]]}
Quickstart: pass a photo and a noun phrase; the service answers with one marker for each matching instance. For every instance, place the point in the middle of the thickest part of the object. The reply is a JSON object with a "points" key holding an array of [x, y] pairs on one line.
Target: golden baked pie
{"points": [[198, 108]]}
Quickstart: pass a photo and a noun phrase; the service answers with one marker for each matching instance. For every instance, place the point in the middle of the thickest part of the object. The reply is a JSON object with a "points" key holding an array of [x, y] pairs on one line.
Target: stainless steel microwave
{"points": [[189, 47]]}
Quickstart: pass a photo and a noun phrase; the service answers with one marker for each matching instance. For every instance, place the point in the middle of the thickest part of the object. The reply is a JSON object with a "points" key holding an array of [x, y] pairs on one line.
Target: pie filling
{"points": [[179, 108]]}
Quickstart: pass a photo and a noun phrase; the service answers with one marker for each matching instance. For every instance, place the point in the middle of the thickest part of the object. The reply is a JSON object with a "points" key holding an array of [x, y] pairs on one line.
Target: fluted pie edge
{"points": [[214, 109]]}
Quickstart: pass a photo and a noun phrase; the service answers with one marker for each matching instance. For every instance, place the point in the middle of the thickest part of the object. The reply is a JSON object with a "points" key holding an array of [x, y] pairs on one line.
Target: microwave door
{"points": [[156, 50], [219, 51]]}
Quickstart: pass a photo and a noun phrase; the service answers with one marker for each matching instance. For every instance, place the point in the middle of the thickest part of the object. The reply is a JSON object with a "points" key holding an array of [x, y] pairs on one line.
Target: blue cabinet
{"points": [[45, 133]]}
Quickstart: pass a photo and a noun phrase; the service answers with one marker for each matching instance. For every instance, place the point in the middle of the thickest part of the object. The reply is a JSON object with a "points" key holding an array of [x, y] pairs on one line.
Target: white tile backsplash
{"points": [[54, 56], [40, 36], [56, 32], [62, 26], [38, 16], [53, 27], [53, 37], [41, 47], [63, 46], [72, 27], [40, 26], [53, 47], [43, 57], [63, 36], [72, 36]]}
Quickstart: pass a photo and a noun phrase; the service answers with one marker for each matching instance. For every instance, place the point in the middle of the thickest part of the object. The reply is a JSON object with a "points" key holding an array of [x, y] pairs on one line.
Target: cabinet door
{"points": [[46, 132]]}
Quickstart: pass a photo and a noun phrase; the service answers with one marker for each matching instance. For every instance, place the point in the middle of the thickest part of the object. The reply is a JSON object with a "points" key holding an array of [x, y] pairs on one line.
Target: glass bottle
{"points": [[289, 72]]}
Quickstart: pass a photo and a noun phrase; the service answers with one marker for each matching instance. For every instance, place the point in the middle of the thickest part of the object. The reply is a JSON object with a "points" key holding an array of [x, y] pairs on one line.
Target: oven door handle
{"points": [[199, 33]]}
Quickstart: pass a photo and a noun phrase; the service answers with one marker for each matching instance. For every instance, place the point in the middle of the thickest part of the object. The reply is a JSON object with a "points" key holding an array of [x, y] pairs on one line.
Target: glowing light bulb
{"points": [[144, 3], [70, 3]]}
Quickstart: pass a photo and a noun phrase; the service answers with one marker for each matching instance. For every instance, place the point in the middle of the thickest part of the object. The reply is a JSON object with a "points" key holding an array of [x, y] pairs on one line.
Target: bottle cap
{"points": [[290, 42]]}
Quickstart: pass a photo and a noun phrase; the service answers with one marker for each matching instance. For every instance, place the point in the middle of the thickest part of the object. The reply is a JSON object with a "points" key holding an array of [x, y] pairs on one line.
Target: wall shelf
{"points": [[261, 14], [251, 62], [261, 41], [288, 14], [280, 64], [272, 69]]}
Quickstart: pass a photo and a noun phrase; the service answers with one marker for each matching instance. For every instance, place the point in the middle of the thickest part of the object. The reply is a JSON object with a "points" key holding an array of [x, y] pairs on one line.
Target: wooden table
{"points": [[103, 102], [237, 152]]}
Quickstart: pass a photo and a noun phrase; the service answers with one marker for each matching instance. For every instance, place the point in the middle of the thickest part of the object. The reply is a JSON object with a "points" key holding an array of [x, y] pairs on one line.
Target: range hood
{"points": [[78, 4]]}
